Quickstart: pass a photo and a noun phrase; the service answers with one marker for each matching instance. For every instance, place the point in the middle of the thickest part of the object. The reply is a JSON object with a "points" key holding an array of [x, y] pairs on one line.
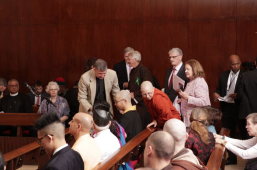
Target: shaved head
{"points": [[234, 63], [85, 120], [176, 129], [146, 85], [123, 94]]}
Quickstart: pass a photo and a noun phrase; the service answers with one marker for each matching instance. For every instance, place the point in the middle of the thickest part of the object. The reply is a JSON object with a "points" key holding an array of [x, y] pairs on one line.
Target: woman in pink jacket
{"points": [[196, 93]]}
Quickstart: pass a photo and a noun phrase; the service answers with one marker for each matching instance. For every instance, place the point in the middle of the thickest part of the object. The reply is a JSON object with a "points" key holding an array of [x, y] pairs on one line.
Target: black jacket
{"points": [[121, 71]]}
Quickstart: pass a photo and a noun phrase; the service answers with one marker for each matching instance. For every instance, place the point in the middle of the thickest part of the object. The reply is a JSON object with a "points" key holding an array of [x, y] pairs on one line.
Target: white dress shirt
{"points": [[108, 143]]}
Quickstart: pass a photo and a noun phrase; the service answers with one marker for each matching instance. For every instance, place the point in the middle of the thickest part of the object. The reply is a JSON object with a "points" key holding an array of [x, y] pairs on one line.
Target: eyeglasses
{"points": [[39, 139], [149, 94], [13, 85], [173, 57], [53, 89], [118, 101], [39, 88]]}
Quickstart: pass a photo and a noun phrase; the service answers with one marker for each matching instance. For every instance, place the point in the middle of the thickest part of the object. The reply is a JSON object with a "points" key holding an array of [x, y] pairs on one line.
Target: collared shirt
{"points": [[128, 70], [177, 69], [60, 148], [87, 147], [230, 77], [107, 142], [130, 108], [14, 94]]}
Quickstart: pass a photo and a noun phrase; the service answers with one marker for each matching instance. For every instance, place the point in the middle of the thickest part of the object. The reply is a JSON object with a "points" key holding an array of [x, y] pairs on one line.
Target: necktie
{"points": [[232, 84], [38, 98], [171, 79], [130, 68]]}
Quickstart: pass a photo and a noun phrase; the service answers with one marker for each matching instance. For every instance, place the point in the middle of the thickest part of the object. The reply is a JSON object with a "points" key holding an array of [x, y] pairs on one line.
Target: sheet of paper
{"points": [[226, 99], [178, 82]]}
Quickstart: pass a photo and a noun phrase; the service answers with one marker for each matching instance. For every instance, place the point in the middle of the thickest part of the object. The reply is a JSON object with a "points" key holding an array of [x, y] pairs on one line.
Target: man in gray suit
{"points": [[95, 85]]}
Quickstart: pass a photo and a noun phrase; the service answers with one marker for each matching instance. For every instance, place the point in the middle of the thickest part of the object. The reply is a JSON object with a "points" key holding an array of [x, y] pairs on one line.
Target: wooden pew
{"points": [[31, 152], [218, 156], [125, 153], [19, 120]]}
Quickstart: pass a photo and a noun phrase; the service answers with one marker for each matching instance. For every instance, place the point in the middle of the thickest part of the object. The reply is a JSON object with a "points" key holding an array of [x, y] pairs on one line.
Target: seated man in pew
{"points": [[51, 136], [106, 140], [3, 88], [2, 163], [183, 158], [80, 127], [36, 100], [14, 102], [159, 149], [129, 118]]}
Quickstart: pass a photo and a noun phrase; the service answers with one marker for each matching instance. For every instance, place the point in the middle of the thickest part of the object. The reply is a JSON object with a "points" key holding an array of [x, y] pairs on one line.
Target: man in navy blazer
{"points": [[229, 109], [175, 57], [123, 69], [38, 85], [51, 136]]}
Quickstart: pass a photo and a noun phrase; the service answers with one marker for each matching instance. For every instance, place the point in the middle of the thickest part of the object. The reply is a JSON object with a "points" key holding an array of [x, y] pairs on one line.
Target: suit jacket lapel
{"points": [[125, 70], [17, 104], [92, 86], [238, 79]]}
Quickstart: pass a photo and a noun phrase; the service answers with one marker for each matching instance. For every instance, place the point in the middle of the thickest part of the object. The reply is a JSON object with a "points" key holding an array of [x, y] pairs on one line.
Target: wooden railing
{"points": [[218, 156], [125, 153]]}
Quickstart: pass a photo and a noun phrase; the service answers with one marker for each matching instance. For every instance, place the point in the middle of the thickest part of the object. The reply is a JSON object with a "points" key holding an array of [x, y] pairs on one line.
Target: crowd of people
{"points": [[182, 113]]}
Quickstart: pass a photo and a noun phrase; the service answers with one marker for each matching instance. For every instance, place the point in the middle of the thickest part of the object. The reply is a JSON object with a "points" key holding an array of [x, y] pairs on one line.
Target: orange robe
{"points": [[161, 108]]}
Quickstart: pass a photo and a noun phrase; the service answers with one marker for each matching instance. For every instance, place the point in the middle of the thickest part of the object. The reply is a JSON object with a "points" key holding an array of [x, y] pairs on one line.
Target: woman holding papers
{"points": [[196, 93]]}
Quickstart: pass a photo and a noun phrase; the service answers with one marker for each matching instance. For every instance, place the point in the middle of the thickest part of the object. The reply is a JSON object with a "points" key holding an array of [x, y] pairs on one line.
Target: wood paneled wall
{"points": [[45, 39]]}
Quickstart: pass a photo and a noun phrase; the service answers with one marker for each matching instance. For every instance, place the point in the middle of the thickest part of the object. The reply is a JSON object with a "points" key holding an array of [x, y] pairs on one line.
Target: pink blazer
{"points": [[198, 96]]}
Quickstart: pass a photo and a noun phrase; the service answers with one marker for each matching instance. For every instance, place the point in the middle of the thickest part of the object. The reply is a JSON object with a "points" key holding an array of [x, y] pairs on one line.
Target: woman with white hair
{"points": [[246, 149], [62, 107]]}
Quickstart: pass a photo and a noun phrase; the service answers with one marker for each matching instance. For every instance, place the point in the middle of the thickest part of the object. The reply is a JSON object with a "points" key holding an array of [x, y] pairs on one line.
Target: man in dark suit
{"points": [[36, 100], [178, 68], [51, 136], [15, 102], [228, 86], [123, 69]]}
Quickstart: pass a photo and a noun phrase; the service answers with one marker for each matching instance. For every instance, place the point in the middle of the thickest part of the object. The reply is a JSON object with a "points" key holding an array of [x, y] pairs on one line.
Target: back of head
{"points": [[123, 94], [163, 144], [177, 129], [213, 115], [50, 123], [3, 82], [127, 49], [85, 120], [196, 68], [101, 115], [135, 55], [100, 65], [2, 163], [199, 122]]}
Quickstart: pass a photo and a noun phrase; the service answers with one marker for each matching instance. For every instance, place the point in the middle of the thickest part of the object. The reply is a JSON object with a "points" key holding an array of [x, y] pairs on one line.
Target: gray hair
{"points": [[128, 49], [3, 82], [252, 116], [177, 50], [135, 55], [13, 80], [100, 65], [52, 83]]}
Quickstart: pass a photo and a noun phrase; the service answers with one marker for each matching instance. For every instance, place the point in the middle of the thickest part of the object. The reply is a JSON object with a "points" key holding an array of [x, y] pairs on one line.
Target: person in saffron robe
{"points": [[158, 104]]}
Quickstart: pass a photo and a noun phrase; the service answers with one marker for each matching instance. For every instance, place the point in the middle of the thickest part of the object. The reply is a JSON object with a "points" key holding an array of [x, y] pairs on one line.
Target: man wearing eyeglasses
{"points": [[36, 100], [158, 104], [51, 136], [15, 102], [178, 68]]}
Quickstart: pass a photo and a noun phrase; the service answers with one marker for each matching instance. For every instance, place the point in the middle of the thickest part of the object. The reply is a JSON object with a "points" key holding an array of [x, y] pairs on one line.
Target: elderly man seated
{"points": [[80, 127], [158, 104], [106, 140], [130, 119], [183, 158]]}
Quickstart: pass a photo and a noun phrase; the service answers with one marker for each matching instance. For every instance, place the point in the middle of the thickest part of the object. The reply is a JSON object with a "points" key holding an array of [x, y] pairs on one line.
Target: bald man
{"points": [[130, 119], [159, 149], [158, 104], [183, 158], [80, 127], [228, 86]]}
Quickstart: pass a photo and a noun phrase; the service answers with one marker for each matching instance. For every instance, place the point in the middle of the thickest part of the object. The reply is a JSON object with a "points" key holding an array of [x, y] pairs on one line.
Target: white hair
{"points": [[52, 83], [177, 50], [135, 55]]}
